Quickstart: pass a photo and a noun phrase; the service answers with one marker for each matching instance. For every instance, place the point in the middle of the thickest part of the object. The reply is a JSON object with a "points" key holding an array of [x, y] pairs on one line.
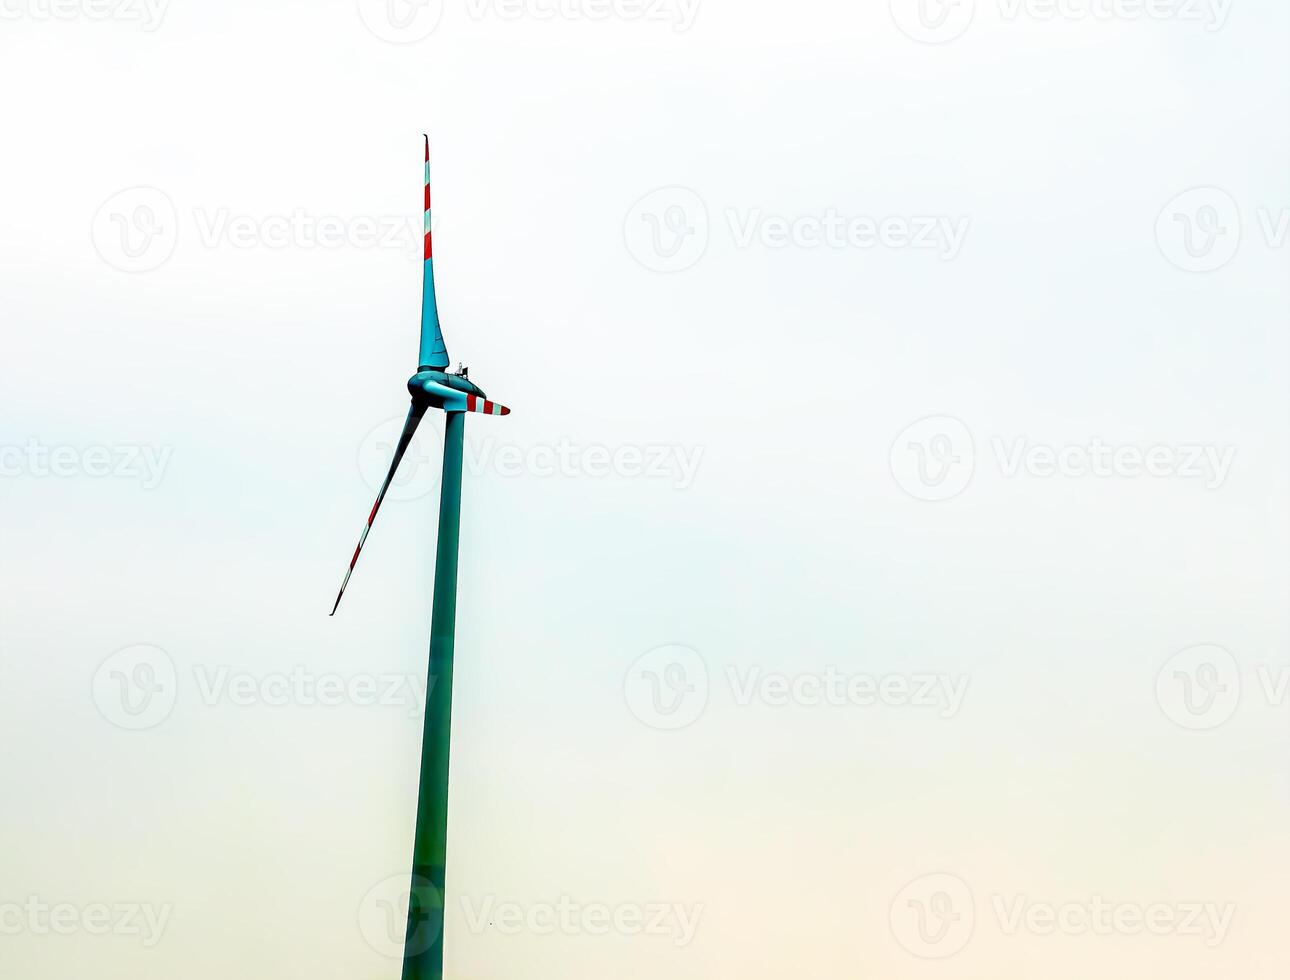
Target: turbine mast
{"points": [[423, 952]]}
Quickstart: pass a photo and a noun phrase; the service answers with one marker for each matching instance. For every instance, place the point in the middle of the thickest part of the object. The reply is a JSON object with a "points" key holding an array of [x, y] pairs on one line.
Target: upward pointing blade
{"points": [[434, 353], [415, 414]]}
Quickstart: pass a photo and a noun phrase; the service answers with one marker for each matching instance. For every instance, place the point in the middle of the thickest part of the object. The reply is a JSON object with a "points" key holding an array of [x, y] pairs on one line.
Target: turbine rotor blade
{"points": [[485, 407], [415, 414], [434, 353]]}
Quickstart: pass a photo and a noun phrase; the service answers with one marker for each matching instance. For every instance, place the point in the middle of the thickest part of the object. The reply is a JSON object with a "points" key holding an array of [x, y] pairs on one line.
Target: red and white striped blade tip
{"points": [[485, 407]]}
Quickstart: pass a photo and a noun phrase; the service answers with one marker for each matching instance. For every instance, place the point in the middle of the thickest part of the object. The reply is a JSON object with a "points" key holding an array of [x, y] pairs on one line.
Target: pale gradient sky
{"points": [[262, 378]]}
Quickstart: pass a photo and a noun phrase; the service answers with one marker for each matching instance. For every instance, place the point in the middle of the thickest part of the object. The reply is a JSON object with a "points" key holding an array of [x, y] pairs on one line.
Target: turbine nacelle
{"points": [[451, 393]]}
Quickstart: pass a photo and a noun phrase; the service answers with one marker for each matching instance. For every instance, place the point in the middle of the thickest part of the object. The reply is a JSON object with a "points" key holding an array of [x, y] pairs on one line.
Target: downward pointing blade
{"points": [[415, 414]]}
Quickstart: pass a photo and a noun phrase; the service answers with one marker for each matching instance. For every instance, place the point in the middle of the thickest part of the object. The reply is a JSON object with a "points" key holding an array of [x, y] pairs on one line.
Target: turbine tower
{"points": [[433, 387]]}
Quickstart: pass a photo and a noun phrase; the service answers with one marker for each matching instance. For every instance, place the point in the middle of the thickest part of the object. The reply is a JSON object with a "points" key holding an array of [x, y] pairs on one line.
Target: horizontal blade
{"points": [[415, 415], [484, 407]]}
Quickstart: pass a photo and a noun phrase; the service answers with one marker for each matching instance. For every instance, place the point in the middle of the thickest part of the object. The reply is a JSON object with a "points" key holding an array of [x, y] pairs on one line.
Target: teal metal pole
{"points": [[423, 952]]}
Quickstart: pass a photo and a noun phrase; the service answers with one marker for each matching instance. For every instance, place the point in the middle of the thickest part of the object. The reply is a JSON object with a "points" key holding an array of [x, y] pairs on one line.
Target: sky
{"points": [[882, 573]]}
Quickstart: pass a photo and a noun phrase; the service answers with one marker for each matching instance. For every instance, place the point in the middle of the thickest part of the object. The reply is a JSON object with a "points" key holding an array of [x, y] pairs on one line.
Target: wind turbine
{"points": [[433, 387]]}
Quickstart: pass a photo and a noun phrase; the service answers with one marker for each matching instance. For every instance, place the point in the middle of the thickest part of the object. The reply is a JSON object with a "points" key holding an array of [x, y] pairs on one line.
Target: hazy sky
{"points": [[882, 574]]}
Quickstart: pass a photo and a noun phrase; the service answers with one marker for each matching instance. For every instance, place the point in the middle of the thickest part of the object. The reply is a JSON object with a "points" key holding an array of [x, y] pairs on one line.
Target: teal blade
{"points": [[415, 414], [434, 352]]}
